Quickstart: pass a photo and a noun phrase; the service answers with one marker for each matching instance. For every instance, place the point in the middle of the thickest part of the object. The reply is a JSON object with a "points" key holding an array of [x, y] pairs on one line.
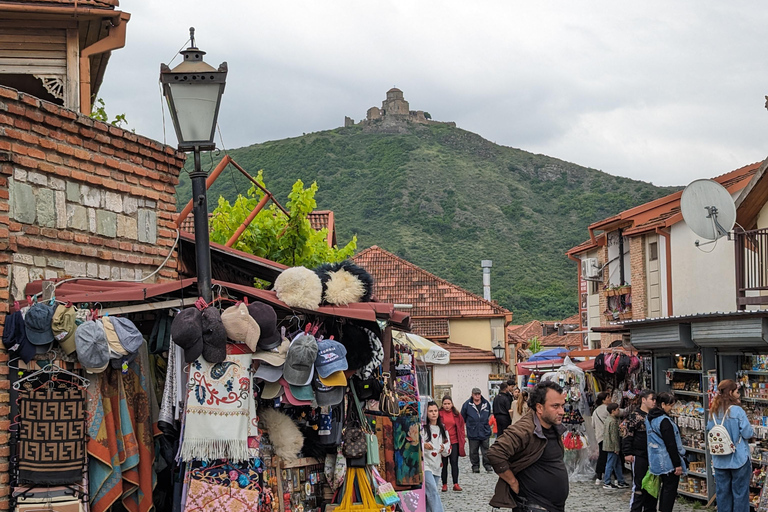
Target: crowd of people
{"points": [[528, 452]]}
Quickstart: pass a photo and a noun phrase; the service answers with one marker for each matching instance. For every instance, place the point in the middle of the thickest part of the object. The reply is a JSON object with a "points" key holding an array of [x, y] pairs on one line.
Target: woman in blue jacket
{"points": [[733, 471], [666, 455]]}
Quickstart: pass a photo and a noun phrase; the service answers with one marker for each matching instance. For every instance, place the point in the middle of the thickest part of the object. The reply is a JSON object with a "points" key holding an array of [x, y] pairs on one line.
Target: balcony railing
{"points": [[751, 267]]}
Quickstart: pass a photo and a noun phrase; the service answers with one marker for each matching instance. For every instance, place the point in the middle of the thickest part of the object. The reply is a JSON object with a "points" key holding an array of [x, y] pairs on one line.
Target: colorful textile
{"points": [[51, 433], [208, 497], [407, 447], [121, 445], [219, 410], [413, 501]]}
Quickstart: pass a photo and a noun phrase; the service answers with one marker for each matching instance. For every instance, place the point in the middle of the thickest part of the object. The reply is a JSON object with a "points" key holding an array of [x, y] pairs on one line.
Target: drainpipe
{"points": [[113, 41], [621, 257], [25, 8], [486, 264], [668, 251]]}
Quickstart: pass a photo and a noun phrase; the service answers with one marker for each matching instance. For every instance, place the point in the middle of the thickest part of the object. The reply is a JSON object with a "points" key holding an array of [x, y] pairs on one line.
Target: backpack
{"points": [[719, 440]]}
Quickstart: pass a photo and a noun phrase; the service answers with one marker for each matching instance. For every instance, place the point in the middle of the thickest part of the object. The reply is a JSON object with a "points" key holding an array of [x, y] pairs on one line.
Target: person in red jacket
{"points": [[454, 425]]}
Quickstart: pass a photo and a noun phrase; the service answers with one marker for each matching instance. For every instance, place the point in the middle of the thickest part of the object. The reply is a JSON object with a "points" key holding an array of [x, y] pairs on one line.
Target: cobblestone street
{"points": [[583, 496]]}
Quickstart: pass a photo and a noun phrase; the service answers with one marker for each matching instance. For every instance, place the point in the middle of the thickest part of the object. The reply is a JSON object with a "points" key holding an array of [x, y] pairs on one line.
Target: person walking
{"points": [[436, 444], [733, 471], [528, 456], [612, 444], [635, 448], [666, 455], [454, 426], [501, 405], [476, 412], [519, 407], [599, 415]]}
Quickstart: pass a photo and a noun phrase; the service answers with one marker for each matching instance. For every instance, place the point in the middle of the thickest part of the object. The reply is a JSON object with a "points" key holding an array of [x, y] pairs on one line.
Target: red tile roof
{"points": [[569, 339], [431, 328], [524, 333], [401, 282], [464, 354], [106, 4], [662, 212]]}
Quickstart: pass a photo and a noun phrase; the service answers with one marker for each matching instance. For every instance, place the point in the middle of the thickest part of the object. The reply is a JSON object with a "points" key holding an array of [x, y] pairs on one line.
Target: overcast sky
{"points": [[666, 92]]}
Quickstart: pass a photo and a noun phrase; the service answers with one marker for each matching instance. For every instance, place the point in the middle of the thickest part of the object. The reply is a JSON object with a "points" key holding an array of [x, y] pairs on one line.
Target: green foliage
{"points": [[444, 198], [534, 345], [99, 112], [273, 234]]}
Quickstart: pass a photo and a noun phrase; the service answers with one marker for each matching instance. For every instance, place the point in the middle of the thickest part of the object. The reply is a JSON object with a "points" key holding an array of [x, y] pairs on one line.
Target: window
{"points": [[594, 287], [653, 251]]}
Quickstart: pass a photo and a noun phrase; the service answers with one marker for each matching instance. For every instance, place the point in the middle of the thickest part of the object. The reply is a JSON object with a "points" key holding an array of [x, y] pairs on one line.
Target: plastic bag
{"points": [[651, 484]]}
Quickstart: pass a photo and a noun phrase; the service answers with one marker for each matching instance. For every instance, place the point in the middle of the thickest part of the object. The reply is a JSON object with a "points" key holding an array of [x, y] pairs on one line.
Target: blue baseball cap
{"points": [[38, 323], [331, 357]]}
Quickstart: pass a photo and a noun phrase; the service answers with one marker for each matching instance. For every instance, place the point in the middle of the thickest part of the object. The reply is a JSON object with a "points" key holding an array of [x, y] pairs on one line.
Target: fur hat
{"points": [[345, 282], [285, 435], [355, 340], [299, 287]]}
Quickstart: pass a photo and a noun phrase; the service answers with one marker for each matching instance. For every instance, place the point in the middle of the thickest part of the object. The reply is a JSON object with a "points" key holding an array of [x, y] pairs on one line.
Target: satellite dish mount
{"points": [[711, 197]]}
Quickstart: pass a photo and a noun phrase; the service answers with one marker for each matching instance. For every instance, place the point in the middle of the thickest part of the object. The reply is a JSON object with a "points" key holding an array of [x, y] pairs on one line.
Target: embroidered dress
{"points": [[219, 408]]}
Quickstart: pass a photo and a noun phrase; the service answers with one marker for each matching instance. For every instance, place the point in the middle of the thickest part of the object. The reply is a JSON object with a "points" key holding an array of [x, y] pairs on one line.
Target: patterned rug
{"points": [[52, 434]]}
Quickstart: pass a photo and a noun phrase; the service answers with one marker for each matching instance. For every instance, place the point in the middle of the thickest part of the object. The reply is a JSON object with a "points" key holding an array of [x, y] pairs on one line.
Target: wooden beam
{"points": [[72, 84]]}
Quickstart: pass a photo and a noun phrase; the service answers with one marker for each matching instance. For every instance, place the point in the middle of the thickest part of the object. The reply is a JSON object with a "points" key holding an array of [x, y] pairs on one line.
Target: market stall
{"points": [[164, 401]]}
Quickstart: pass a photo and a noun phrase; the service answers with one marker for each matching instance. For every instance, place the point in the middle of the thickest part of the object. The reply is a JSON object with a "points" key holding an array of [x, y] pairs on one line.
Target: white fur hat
{"points": [[299, 287]]}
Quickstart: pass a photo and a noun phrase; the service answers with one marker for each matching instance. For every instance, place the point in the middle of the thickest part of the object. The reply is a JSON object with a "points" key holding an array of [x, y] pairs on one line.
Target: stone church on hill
{"points": [[394, 111]]}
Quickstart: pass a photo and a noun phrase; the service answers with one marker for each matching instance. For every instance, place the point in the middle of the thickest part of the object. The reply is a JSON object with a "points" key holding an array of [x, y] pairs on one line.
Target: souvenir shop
{"points": [[690, 355], [138, 397]]}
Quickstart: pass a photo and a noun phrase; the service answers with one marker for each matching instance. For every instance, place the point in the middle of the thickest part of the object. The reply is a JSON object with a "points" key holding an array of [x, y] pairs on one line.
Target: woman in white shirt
{"points": [[437, 444]]}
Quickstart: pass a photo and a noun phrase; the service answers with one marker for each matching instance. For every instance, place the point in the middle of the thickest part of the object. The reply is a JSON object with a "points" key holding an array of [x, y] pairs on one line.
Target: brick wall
{"points": [[78, 198], [639, 277]]}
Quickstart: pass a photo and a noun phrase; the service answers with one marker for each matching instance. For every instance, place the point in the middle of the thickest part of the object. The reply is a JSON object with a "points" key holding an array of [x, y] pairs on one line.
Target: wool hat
{"points": [[327, 395], [112, 339], [187, 332], [63, 327], [268, 373], [271, 390], [265, 316], [288, 395], [15, 337], [38, 323], [275, 356], [300, 360], [129, 335], [92, 346], [355, 340], [345, 282], [214, 336], [299, 287], [335, 379], [331, 357], [240, 326]]}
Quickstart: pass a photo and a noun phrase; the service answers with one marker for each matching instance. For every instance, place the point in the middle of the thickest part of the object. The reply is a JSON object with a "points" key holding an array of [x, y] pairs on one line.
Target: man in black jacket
{"points": [[501, 405], [635, 448]]}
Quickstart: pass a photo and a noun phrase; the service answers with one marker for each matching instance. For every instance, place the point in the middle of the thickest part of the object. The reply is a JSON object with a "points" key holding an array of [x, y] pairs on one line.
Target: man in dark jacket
{"points": [[501, 406], [476, 412], [528, 456], [635, 448]]}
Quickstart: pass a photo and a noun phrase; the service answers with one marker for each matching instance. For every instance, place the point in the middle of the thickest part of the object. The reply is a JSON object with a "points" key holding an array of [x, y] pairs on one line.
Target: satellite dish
{"points": [[708, 209]]}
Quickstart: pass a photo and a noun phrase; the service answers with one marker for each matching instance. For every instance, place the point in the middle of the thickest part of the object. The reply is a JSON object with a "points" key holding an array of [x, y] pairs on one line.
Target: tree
{"points": [[534, 345], [273, 234], [100, 114]]}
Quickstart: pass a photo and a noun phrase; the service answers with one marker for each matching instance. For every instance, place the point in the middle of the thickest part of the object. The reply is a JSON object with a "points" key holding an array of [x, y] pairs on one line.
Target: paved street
{"points": [[583, 497]]}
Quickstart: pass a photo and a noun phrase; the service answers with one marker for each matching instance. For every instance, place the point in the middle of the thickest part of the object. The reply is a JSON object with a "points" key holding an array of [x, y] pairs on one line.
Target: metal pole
{"points": [[202, 241]]}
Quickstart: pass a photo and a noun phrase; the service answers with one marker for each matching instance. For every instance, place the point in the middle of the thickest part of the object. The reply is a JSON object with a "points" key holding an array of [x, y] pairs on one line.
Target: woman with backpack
{"points": [[666, 455], [728, 435]]}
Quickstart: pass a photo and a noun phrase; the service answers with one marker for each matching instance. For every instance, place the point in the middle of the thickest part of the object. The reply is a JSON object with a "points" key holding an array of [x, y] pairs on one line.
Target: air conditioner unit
{"points": [[590, 270]]}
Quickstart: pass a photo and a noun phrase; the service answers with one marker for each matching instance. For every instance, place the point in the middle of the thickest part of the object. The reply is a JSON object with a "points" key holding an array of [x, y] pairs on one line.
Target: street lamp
{"points": [[193, 90], [499, 351]]}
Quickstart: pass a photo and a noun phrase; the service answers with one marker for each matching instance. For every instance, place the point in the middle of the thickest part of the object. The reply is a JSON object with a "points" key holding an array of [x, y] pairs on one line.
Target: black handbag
{"points": [[367, 389]]}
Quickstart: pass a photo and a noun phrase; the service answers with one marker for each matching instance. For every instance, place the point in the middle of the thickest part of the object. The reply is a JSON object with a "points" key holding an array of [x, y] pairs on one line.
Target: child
{"points": [[611, 445], [437, 445]]}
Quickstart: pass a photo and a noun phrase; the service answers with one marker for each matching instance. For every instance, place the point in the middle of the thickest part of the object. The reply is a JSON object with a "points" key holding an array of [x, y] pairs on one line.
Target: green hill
{"points": [[444, 198]]}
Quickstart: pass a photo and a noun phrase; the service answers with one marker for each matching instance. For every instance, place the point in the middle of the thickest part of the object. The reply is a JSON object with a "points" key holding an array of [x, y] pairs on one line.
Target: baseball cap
{"points": [[63, 327], [240, 326], [327, 395], [129, 335], [302, 392], [274, 356], [92, 346], [268, 372], [334, 379], [265, 316], [15, 337], [112, 340], [38, 324], [331, 357], [187, 332], [288, 395], [300, 360], [271, 390]]}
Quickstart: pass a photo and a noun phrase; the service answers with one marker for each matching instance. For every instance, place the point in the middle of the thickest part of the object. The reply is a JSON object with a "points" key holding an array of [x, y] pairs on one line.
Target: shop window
{"points": [[653, 251]]}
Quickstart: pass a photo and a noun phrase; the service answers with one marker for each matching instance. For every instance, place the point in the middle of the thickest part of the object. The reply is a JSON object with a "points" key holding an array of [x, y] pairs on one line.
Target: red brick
{"points": [[66, 235], [95, 180], [89, 251], [126, 246], [35, 115], [46, 232], [16, 109], [9, 93], [36, 153], [105, 255], [30, 100], [14, 226], [134, 259], [22, 124], [81, 239]]}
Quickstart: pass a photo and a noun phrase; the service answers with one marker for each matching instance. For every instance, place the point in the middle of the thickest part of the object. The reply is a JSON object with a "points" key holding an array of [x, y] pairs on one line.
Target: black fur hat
{"points": [[355, 340], [345, 282]]}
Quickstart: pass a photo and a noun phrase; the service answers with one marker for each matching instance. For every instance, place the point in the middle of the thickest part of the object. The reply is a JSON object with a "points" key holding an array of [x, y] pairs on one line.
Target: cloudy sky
{"points": [[666, 92]]}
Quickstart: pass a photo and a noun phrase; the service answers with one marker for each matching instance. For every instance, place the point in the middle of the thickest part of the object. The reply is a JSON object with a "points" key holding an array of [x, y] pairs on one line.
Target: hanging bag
{"points": [[353, 436], [719, 440], [371, 441], [651, 484], [385, 491], [388, 401]]}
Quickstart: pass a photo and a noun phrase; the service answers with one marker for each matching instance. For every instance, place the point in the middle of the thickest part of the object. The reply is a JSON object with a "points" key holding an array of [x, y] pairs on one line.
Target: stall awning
{"points": [[424, 349], [666, 337], [551, 365]]}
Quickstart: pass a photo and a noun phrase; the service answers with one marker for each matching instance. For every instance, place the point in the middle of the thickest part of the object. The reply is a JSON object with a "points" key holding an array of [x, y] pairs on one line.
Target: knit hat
{"points": [[240, 326], [63, 327], [265, 316], [38, 323], [112, 339], [331, 357], [299, 287], [129, 335], [300, 360], [15, 337], [275, 356], [92, 346], [214, 336], [187, 332]]}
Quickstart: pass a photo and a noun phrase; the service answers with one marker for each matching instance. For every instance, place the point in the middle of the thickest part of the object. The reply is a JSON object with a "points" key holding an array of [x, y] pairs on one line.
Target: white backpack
{"points": [[719, 440]]}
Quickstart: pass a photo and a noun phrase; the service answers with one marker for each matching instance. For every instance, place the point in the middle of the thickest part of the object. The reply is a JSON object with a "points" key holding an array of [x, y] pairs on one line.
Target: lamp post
{"points": [[193, 90]]}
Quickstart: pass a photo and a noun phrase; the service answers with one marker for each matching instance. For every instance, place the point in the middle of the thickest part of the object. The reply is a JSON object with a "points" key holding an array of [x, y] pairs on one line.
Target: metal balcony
{"points": [[751, 267]]}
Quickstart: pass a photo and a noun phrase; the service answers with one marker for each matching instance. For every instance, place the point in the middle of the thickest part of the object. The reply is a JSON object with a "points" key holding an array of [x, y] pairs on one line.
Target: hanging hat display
{"points": [[265, 316], [240, 326], [187, 332]]}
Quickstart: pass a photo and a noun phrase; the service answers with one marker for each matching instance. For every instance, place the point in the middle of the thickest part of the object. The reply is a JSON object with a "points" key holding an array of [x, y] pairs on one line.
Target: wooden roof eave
{"points": [[752, 198]]}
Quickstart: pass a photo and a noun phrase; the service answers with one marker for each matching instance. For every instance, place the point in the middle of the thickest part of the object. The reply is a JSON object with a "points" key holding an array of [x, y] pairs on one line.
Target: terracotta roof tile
{"points": [[524, 333], [569, 339], [464, 354], [430, 328], [105, 4], [401, 282]]}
